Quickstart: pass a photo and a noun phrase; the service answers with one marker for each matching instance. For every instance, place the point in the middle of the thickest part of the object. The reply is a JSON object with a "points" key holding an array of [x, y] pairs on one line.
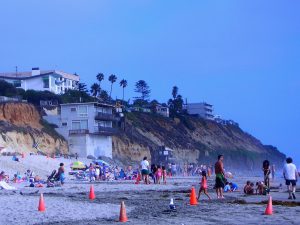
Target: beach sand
{"points": [[145, 204]]}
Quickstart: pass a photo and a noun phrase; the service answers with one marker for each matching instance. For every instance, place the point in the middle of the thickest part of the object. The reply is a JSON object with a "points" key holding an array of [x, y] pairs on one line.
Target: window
{"points": [[73, 109], [79, 125], [82, 111], [64, 124], [17, 83], [46, 82]]}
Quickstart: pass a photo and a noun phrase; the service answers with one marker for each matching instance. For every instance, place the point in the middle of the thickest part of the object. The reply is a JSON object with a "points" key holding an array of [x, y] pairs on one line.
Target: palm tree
{"points": [[100, 77], [123, 84], [175, 92], [112, 78], [95, 89]]}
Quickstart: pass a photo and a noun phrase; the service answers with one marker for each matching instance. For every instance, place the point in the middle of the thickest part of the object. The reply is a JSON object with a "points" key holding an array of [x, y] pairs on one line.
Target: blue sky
{"points": [[241, 56]]}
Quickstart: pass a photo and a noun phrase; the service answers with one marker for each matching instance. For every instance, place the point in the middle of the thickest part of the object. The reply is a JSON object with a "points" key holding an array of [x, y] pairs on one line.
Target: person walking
{"points": [[267, 172], [290, 175], [220, 176], [145, 170]]}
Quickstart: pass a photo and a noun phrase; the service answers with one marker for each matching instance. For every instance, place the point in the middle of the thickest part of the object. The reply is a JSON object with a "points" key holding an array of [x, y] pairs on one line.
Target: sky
{"points": [[241, 56]]}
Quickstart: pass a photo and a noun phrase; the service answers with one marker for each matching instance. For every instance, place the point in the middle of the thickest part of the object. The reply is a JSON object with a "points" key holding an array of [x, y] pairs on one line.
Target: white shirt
{"points": [[144, 165], [289, 171]]}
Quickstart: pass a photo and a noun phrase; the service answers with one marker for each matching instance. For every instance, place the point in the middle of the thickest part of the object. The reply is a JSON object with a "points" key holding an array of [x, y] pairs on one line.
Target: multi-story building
{"points": [[203, 110], [88, 128], [42, 80]]}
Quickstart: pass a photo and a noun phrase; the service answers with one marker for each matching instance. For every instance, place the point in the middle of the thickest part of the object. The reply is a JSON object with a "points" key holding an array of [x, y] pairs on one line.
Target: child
{"points": [[227, 187], [248, 189], [61, 173], [164, 174], [158, 174], [233, 187], [204, 186]]}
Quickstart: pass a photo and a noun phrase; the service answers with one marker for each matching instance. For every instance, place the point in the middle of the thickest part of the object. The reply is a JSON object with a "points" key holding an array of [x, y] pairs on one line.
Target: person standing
{"points": [[220, 176], [61, 174], [145, 170], [290, 175], [267, 172]]}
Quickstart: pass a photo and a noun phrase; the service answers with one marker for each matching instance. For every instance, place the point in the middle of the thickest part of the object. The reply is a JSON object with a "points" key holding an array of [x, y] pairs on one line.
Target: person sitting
{"points": [[233, 187], [15, 158], [261, 188], [248, 189], [227, 187]]}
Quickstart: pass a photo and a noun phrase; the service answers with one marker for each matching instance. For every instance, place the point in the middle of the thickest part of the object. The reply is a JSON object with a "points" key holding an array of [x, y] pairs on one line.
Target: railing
{"points": [[105, 116], [79, 131], [106, 130]]}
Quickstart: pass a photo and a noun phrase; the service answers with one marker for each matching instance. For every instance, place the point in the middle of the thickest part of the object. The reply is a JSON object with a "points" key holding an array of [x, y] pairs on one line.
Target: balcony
{"points": [[107, 131], [105, 117], [79, 131]]}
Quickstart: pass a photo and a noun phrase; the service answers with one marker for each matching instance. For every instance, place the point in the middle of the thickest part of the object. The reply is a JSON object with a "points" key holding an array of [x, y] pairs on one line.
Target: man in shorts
{"points": [[220, 177], [290, 175], [145, 170]]}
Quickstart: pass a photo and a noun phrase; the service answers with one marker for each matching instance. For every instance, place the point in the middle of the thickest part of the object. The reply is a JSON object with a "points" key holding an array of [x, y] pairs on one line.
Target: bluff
{"points": [[21, 128], [192, 140]]}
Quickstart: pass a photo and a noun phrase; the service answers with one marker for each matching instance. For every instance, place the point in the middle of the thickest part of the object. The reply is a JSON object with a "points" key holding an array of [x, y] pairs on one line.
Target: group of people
{"points": [[290, 175]]}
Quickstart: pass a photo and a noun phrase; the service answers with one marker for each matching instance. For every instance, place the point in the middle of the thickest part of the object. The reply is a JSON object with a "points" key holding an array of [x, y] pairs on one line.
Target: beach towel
{"points": [[6, 186]]}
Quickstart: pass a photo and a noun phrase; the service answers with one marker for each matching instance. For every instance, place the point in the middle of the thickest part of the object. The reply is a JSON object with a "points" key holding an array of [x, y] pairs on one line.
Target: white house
{"points": [[42, 80], [203, 110], [87, 127]]}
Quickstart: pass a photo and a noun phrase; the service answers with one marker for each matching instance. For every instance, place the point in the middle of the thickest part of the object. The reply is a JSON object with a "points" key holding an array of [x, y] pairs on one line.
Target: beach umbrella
{"points": [[78, 165]]}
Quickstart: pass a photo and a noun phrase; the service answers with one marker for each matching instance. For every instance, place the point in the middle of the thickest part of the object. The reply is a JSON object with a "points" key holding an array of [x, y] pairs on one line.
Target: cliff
{"points": [[21, 127], [192, 140]]}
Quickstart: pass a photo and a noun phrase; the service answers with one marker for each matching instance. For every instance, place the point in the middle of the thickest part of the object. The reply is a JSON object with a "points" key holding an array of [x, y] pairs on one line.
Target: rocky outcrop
{"points": [[21, 127], [192, 139]]}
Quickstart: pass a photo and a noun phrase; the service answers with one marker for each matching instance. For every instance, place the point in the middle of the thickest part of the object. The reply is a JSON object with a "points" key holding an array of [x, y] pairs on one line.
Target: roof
{"points": [[89, 103], [28, 75]]}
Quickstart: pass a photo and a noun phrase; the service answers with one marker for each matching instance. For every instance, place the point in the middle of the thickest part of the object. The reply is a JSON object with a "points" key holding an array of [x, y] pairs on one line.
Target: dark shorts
{"points": [[290, 182], [220, 182], [145, 172]]}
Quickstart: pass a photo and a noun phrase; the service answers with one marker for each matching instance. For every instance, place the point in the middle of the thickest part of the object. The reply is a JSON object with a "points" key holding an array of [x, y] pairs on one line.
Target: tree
{"points": [[82, 87], [95, 89], [175, 92], [123, 84], [175, 104], [112, 78], [103, 95], [100, 78], [75, 96], [142, 87]]}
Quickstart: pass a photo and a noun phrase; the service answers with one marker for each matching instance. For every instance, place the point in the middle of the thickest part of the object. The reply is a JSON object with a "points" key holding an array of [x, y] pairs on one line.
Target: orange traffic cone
{"points": [[193, 199], [92, 193], [42, 207], [269, 209], [123, 216]]}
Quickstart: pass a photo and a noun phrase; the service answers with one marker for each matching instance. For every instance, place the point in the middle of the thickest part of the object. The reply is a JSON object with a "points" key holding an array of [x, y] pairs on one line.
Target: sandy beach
{"points": [[145, 204]]}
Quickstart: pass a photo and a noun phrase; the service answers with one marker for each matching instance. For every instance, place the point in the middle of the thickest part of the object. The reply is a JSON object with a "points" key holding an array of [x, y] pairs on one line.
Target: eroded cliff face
{"points": [[192, 139], [21, 128]]}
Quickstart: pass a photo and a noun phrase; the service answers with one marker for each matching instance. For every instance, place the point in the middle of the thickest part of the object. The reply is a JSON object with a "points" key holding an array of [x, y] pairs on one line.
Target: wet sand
{"points": [[145, 204]]}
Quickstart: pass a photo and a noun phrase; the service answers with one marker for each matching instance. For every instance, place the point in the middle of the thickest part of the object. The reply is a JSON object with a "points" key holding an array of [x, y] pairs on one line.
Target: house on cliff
{"points": [[42, 80], [203, 110], [88, 127]]}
